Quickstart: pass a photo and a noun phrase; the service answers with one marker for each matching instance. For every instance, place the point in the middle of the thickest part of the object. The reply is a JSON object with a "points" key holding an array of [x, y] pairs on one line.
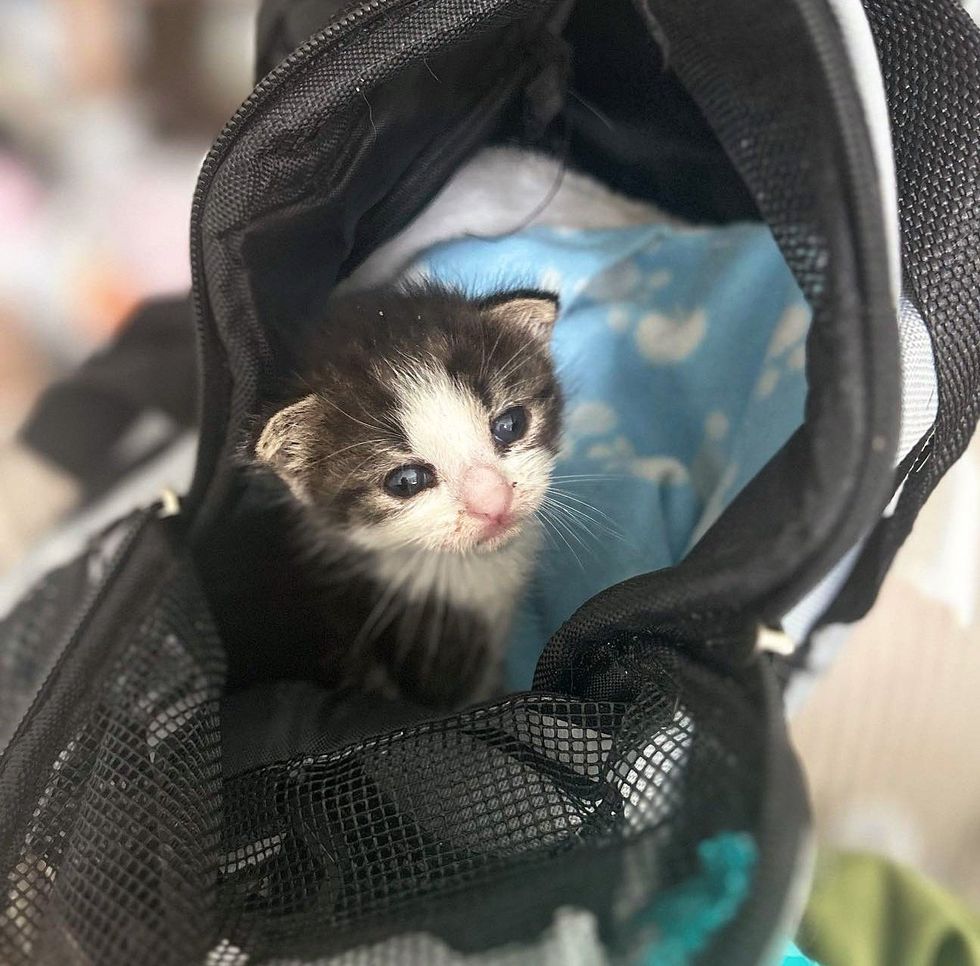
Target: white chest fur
{"points": [[485, 584]]}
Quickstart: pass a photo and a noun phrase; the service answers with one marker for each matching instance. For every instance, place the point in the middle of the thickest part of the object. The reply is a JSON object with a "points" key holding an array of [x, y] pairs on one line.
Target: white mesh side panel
{"points": [[871, 89], [919, 405], [919, 398]]}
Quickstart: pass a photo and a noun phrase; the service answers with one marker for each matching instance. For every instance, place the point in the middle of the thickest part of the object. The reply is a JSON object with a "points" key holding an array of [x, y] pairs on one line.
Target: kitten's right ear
{"points": [[287, 441], [534, 311]]}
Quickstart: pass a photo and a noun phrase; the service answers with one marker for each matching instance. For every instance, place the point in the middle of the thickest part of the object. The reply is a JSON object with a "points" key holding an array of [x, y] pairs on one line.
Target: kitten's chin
{"points": [[487, 544], [454, 544]]}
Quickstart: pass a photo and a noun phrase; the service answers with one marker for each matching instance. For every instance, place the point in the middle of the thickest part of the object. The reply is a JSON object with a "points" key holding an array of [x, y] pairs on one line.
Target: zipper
{"points": [[83, 614], [359, 15], [824, 32], [861, 176]]}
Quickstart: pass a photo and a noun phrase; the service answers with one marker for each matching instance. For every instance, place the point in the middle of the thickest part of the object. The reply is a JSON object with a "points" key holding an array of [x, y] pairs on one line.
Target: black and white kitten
{"points": [[417, 444]]}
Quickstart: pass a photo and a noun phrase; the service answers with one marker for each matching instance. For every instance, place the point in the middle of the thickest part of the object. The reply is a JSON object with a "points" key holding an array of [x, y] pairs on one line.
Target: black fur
{"points": [[367, 336], [320, 603]]}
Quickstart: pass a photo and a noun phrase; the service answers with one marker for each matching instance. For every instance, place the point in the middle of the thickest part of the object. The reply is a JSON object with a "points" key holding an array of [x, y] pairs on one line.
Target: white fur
{"points": [[496, 192], [449, 428], [429, 547], [487, 584]]}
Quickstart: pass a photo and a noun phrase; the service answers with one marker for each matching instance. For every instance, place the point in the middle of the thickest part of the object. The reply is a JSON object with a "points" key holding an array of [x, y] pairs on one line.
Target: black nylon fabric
{"points": [[930, 61], [124, 839], [813, 173], [80, 423], [668, 154], [133, 826]]}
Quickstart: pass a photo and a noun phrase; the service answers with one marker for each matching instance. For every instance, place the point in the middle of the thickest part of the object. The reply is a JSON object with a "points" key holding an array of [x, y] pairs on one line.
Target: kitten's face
{"points": [[438, 428]]}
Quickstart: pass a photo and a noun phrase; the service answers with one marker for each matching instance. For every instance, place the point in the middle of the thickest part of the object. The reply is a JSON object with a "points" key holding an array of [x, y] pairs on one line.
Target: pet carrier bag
{"points": [[640, 802]]}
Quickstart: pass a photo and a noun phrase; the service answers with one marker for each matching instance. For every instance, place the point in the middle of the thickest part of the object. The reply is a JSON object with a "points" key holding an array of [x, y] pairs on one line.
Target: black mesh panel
{"points": [[110, 795], [527, 804], [123, 843], [930, 61]]}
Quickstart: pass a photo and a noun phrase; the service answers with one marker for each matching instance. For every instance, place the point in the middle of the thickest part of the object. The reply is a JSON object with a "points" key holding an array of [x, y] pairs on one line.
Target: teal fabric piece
{"points": [[794, 957], [681, 355], [688, 915]]}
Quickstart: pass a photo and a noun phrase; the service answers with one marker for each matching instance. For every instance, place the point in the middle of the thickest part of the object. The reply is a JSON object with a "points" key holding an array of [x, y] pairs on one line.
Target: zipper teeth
{"points": [[270, 81], [206, 175], [84, 612], [230, 130]]}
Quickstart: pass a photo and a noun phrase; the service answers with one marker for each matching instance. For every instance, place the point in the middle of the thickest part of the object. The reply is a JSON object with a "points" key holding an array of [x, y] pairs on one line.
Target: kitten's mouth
{"points": [[494, 530], [495, 535]]}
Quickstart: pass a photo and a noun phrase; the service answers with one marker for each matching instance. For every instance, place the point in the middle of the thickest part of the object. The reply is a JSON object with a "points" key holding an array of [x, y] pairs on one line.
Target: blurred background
{"points": [[107, 108], [106, 111]]}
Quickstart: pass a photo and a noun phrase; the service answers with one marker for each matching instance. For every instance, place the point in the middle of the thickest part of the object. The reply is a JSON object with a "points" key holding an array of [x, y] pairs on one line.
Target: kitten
{"points": [[417, 445]]}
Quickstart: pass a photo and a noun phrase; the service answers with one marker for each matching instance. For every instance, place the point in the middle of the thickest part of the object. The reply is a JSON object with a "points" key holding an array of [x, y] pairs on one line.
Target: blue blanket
{"points": [[681, 353]]}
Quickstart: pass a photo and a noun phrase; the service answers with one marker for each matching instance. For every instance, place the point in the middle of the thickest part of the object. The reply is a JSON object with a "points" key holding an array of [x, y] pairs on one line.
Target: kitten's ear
{"points": [[534, 311], [287, 442]]}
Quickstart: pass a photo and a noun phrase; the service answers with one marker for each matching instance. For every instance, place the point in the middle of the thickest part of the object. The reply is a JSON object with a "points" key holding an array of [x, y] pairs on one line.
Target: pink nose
{"points": [[487, 495]]}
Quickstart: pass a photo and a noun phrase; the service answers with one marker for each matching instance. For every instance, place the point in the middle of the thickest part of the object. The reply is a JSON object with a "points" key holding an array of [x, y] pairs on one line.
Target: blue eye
{"points": [[408, 480], [509, 426]]}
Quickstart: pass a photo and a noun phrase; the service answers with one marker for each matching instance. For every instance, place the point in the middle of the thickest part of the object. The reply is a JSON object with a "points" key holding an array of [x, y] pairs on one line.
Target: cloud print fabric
{"points": [[681, 353]]}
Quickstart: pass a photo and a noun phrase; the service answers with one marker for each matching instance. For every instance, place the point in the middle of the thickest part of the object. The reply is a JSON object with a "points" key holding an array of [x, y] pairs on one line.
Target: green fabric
{"points": [[867, 911]]}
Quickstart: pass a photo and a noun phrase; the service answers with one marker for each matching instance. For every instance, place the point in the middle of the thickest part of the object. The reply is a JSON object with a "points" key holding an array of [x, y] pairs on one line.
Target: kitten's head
{"points": [[430, 421]]}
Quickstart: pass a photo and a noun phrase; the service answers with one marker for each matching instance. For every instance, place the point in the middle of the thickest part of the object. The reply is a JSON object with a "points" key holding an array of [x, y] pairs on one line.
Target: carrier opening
{"points": [[267, 818], [613, 184]]}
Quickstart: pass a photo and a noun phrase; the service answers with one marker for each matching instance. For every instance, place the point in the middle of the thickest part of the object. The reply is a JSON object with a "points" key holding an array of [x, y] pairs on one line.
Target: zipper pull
{"points": [[774, 640], [169, 503]]}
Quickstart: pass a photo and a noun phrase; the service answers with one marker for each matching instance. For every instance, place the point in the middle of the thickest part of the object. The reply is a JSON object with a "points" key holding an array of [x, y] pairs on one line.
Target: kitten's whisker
{"points": [[590, 478], [356, 469], [438, 618], [522, 347], [382, 421], [408, 638], [580, 512], [576, 528], [379, 616], [564, 526], [572, 515], [515, 366], [518, 359], [559, 532], [556, 492], [550, 531], [343, 449], [493, 351], [586, 524], [548, 535], [353, 419], [588, 527]]}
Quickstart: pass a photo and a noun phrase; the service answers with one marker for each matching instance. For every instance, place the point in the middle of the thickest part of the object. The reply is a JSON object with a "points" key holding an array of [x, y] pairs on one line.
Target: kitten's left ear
{"points": [[534, 311], [286, 443]]}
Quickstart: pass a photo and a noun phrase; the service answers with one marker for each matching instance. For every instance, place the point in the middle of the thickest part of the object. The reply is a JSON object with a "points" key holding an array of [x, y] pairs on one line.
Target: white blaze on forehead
{"points": [[445, 423], [448, 427]]}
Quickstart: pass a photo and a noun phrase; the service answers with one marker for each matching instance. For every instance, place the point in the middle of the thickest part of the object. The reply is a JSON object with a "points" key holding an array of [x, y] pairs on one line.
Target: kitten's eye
{"points": [[510, 425], [408, 480]]}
